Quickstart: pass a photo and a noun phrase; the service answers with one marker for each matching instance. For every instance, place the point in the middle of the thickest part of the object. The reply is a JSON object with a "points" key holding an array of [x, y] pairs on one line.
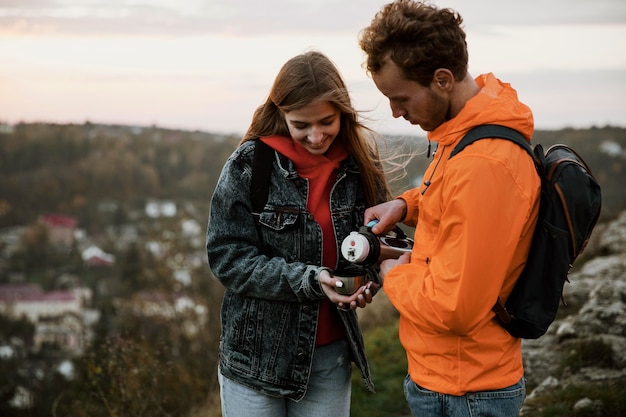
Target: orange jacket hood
{"points": [[474, 223], [497, 102]]}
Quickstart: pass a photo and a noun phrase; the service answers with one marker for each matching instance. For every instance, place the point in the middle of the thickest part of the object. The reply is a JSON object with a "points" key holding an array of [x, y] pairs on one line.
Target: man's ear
{"points": [[443, 78]]}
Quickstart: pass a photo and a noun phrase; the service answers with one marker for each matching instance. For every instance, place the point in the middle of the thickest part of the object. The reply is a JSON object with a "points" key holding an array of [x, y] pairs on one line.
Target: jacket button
{"points": [[300, 355], [306, 309]]}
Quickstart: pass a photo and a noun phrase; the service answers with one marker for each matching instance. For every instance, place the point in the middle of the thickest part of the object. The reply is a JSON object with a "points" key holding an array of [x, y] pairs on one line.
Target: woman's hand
{"points": [[361, 298]]}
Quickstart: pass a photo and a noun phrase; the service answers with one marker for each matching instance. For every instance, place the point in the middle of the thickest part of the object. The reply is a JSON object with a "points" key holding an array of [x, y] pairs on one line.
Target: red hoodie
{"points": [[320, 171]]}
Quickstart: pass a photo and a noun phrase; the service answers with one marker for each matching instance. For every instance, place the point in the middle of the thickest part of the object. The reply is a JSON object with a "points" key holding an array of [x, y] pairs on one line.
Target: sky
{"points": [[207, 64]]}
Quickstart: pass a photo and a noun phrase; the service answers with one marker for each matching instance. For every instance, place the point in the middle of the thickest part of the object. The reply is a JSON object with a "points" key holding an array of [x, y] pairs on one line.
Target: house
{"points": [[59, 316], [167, 306], [23, 398], [193, 233], [60, 229], [94, 256], [10, 240], [30, 301], [66, 332], [191, 228], [156, 209]]}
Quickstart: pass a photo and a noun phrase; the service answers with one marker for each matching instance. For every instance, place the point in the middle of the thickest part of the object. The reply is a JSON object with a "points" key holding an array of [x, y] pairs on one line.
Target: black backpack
{"points": [[569, 209]]}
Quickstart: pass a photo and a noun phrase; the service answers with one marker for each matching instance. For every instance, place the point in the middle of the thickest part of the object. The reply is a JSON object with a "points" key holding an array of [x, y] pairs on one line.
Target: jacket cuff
{"points": [[406, 208]]}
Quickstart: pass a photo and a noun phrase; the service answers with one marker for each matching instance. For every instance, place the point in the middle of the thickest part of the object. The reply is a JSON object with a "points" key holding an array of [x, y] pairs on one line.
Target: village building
{"points": [[31, 302], [60, 229]]}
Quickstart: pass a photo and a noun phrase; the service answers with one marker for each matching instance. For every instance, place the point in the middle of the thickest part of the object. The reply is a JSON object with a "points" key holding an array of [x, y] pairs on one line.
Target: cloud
{"points": [[538, 12], [208, 63], [251, 18], [176, 18]]}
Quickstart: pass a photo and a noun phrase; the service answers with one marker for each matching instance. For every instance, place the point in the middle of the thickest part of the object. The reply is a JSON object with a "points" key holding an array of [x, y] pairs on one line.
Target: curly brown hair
{"points": [[419, 38]]}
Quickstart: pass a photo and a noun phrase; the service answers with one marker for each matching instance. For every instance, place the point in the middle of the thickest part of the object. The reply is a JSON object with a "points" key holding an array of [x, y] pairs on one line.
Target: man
{"points": [[474, 216]]}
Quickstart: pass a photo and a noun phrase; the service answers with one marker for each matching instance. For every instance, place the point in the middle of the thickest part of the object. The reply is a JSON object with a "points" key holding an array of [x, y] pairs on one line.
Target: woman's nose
{"points": [[316, 135]]}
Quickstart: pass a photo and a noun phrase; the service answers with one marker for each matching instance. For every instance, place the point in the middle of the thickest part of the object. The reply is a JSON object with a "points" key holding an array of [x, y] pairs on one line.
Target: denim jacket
{"points": [[270, 270]]}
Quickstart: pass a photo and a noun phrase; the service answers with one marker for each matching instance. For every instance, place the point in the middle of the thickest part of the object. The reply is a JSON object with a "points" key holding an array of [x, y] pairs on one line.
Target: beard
{"points": [[438, 111]]}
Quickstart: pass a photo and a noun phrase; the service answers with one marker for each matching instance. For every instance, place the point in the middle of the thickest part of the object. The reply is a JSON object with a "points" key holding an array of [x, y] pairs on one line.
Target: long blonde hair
{"points": [[310, 77]]}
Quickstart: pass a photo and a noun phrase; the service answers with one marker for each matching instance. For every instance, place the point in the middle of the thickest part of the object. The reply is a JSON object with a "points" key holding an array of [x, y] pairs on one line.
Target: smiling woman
{"points": [[276, 258]]}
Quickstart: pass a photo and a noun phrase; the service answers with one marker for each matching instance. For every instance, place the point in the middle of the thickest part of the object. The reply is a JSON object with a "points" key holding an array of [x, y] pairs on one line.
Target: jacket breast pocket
{"points": [[281, 233]]}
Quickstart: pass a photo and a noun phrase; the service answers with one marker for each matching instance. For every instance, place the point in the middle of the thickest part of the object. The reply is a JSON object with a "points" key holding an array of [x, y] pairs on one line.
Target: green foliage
{"points": [[609, 170], [21, 328], [588, 352], [122, 379], [10, 374], [611, 398], [389, 367], [70, 168], [154, 370]]}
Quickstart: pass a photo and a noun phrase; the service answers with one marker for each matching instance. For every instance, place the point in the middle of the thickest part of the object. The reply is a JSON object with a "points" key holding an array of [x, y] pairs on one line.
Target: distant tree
{"points": [[152, 366], [34, 253], [119, 378], [20, 328], [131, 268], [12, 368]]}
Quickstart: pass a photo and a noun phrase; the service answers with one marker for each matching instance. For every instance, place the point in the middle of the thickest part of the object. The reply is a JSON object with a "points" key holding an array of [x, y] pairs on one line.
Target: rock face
{"points": [[587, 343]]}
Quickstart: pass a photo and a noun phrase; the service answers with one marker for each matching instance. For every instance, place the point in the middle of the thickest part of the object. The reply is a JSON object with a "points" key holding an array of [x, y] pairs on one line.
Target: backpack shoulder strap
{"points": [[503, 132], [492, 131], [261, 170]]}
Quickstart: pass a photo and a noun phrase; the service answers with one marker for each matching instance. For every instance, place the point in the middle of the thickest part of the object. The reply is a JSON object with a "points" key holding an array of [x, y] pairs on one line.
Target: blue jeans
{"points": [[328, 391], [505, 402]]}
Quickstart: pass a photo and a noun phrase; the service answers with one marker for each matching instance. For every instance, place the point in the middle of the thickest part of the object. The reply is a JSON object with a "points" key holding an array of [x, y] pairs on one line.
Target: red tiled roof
{"points": [[12, 292], [59, 220]]}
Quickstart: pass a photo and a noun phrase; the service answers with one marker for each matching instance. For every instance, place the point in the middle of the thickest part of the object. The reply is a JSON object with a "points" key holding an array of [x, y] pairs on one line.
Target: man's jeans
{"points": [[506, 402], [328, 391]]}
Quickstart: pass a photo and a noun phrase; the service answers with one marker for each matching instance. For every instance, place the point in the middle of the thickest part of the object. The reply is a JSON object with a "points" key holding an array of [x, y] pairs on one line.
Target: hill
{"points": [[73, 168], [108, 179]]}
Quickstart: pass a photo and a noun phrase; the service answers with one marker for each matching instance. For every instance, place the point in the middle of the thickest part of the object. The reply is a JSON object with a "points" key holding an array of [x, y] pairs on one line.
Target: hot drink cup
{"points": [[352, 280]]}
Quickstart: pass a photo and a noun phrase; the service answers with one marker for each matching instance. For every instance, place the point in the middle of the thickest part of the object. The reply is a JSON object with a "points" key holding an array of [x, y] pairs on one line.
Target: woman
{"points": [[288, 338]]}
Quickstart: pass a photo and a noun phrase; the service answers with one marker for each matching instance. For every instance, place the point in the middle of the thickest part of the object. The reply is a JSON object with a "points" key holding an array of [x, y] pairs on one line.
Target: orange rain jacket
{"points": [[474, 225]]}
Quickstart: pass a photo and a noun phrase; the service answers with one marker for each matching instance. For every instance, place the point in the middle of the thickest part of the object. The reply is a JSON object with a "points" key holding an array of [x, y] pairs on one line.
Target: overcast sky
{"points": [[207, 64]]}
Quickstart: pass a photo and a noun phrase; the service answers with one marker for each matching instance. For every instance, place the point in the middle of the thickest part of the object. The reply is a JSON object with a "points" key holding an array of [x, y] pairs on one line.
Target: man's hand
{"points": [[387, 214], [387, 264]]}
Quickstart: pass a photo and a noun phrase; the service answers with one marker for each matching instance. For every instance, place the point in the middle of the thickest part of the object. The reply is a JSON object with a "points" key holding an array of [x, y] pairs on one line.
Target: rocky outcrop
{"points": [[586, 345]]}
